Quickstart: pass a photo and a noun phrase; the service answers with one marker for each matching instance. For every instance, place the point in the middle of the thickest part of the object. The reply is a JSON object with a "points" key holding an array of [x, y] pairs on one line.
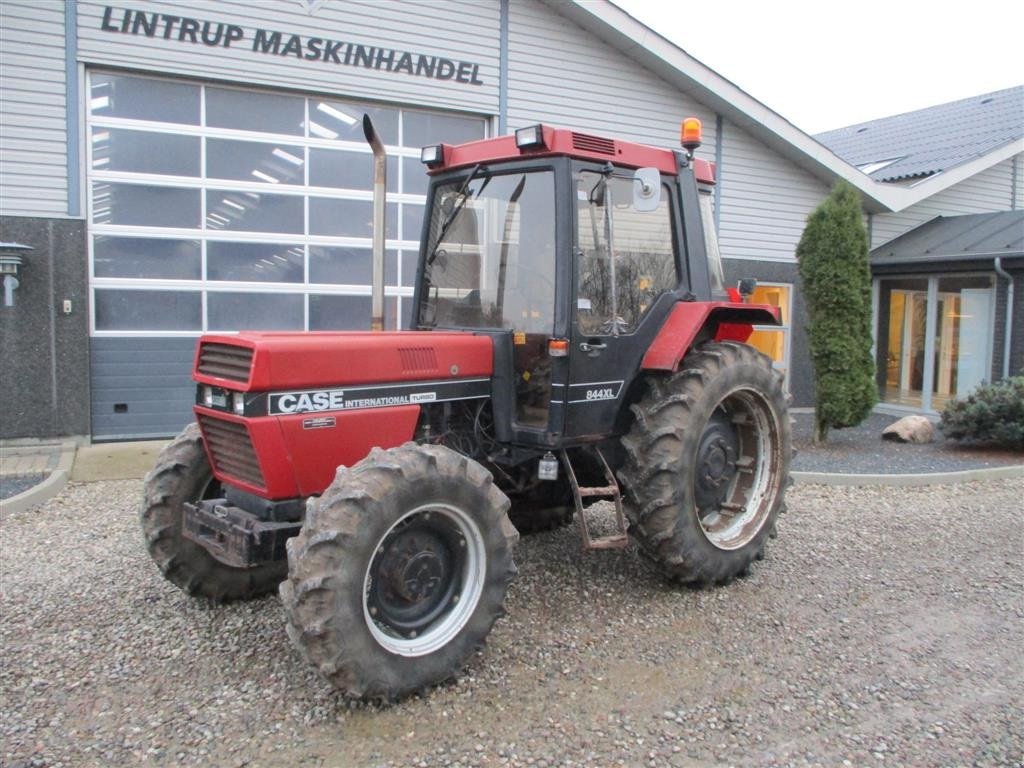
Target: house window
{"points": [[773, 340], [934, 339], [221, 209]]}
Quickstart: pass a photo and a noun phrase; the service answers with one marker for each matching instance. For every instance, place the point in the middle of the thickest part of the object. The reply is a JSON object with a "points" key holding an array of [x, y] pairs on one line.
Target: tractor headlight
{"points": [[238, 403], [432, 156], [208, 397], [530, 137]]}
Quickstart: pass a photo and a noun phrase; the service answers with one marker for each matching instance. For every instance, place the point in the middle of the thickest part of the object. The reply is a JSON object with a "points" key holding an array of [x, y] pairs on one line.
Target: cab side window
{"points": [[625, 257]]}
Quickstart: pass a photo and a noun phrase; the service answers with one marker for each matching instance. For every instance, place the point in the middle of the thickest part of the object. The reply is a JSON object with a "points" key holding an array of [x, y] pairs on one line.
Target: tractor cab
{"points": [[570, 251]]}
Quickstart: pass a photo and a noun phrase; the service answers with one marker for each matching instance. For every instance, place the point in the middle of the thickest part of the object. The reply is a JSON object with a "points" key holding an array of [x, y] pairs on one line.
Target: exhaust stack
{"points": [[380, 173]]}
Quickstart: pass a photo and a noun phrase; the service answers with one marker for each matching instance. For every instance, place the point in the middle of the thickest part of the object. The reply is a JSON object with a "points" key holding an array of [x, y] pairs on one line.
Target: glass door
{"points": [[975, 310], [934, 338]]}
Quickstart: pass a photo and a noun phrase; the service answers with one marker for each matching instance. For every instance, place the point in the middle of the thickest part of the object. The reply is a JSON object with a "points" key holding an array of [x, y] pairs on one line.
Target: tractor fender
{"points": [[724, 320]]}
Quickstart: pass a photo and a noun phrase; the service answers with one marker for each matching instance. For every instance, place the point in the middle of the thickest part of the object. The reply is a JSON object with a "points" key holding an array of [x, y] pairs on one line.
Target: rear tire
{"points": [[182, 474], [707, 464], [400, 571]]}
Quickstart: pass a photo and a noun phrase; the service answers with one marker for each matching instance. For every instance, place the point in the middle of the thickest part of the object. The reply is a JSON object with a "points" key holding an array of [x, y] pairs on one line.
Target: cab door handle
{"points": [[593, 348]]}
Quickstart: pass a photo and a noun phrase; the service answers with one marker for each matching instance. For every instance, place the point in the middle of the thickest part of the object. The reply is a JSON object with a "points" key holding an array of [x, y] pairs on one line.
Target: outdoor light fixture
{"points": [[531, 137], [690, 135], [10, 265], [432, 156]]}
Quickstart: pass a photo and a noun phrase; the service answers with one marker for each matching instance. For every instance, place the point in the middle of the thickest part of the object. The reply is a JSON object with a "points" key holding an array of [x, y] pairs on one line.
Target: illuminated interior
{"points": [[770, 339]]}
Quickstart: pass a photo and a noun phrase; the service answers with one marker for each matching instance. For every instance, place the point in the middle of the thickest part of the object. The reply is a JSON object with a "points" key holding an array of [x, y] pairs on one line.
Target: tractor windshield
{"points": [[491, 247]]}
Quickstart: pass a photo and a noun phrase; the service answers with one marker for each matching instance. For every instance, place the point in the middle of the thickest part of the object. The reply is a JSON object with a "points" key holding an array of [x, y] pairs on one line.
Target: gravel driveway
{"points": [[884, 628]]}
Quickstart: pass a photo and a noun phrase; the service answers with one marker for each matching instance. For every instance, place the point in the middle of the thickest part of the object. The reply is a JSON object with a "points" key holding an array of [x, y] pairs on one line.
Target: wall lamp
{"points": [[10, 265]]}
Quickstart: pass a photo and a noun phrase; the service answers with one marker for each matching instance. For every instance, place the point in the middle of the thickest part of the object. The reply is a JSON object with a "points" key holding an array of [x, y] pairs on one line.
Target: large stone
{"points": [[910, 429]]}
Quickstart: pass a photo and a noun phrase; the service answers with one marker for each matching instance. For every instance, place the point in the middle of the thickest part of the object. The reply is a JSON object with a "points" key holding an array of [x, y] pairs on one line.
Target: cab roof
{"points": [[560, 142]]}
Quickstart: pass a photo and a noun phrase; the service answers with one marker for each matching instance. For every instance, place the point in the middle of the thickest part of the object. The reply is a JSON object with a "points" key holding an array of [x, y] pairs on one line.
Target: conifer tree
{"points": [[836, 276]]}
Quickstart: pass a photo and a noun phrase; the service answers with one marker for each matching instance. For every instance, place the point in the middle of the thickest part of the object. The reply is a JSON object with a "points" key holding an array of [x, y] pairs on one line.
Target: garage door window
{"points": [[215, 208]]}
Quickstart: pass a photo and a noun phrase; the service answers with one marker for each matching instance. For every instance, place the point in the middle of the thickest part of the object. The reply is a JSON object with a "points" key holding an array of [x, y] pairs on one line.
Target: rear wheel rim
{"points": [[736, 476], [424, 580]]}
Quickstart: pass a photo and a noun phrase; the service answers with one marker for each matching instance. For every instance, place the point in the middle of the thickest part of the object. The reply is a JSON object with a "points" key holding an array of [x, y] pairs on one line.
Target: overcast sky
{"points": [[824, 65]]}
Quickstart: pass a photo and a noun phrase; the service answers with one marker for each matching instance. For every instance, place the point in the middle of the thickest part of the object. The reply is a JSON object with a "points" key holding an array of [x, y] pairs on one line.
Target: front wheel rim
{"points": [[424, 580], [734, 502]]}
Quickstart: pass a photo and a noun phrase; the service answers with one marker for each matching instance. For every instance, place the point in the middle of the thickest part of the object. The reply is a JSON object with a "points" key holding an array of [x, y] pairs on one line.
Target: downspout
{"points": [[71, 112], [719, 129], [1009, 314], [503, 69], [380, 185]]}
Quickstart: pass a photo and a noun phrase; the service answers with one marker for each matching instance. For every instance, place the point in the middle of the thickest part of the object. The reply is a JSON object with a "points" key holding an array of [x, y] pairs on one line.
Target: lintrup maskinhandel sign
{"points": [[184, 29]]}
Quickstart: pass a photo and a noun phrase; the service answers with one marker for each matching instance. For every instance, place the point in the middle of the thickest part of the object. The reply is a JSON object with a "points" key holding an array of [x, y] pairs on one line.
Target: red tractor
{"points": [[571, 341]]}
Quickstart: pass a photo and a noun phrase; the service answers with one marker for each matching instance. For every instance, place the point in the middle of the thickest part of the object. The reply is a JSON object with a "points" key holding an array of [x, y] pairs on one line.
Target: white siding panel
{"points": [[765, 199], [1019, 182], [985, 192], [886, 226], [562, 75], [28, 85], [33, 123], [459, 30], [38, 121], [982, 193]]}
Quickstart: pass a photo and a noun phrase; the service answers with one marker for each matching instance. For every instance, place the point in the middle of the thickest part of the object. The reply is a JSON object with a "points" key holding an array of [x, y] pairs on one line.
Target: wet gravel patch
{"points": [[885, 627], [861, 450]]}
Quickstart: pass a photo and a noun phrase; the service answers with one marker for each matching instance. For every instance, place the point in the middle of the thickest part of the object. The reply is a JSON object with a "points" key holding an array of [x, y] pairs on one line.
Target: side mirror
{"points": [[746, 287], [646, 189]]}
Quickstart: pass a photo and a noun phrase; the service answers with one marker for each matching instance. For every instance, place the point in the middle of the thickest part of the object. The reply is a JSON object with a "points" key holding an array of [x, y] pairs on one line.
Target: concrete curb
{"points": [[47, 489], [930, 478]]}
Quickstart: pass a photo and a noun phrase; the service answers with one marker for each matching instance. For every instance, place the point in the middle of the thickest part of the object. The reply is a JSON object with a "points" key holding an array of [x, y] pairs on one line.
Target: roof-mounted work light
{"points": [[432, 156], [689, 135], [531, 137]]}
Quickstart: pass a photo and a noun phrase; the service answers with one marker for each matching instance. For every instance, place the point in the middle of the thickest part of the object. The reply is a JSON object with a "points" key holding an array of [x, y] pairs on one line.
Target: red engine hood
{"points": [[252, 361]]}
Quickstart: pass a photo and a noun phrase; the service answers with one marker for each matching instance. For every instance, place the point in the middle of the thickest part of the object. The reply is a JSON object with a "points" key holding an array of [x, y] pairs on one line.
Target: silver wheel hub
{"points": [[424, 580], [736, 478]]}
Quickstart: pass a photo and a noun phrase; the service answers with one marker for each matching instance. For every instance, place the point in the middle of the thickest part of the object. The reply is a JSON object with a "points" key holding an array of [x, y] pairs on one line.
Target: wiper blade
{"points": [[462, 196]]}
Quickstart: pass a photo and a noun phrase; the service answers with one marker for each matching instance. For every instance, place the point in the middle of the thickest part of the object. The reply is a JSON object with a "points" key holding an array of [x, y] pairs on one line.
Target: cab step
{"points": [[610, 491]]}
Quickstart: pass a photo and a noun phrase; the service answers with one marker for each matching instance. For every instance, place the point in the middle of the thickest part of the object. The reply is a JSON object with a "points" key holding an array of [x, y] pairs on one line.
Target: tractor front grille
{"points": [[225, 361], [232, 450], [589, 143]]}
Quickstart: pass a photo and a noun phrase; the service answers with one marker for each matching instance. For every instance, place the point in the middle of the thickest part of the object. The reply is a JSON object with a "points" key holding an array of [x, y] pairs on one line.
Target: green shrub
{"points": [[836, 282], [992, 413]]}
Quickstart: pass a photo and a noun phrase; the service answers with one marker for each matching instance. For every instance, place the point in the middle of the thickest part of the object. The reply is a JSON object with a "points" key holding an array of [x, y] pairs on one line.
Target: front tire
{"points": [[400, 571], [707, 464], [182, 474]]}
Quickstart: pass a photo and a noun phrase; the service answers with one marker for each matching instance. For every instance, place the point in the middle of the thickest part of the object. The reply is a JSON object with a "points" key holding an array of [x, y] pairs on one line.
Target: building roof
{"points": [[974, 237], [618, 29], [928, 141]]}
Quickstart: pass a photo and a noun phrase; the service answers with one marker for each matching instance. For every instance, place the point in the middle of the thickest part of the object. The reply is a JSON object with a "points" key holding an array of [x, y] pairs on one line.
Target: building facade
{"points": [[947, 268], [181, 167]]}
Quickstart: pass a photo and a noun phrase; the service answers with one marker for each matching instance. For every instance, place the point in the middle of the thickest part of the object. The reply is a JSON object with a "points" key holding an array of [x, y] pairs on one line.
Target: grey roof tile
{"points": [[934, 139], [974, 236]]}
